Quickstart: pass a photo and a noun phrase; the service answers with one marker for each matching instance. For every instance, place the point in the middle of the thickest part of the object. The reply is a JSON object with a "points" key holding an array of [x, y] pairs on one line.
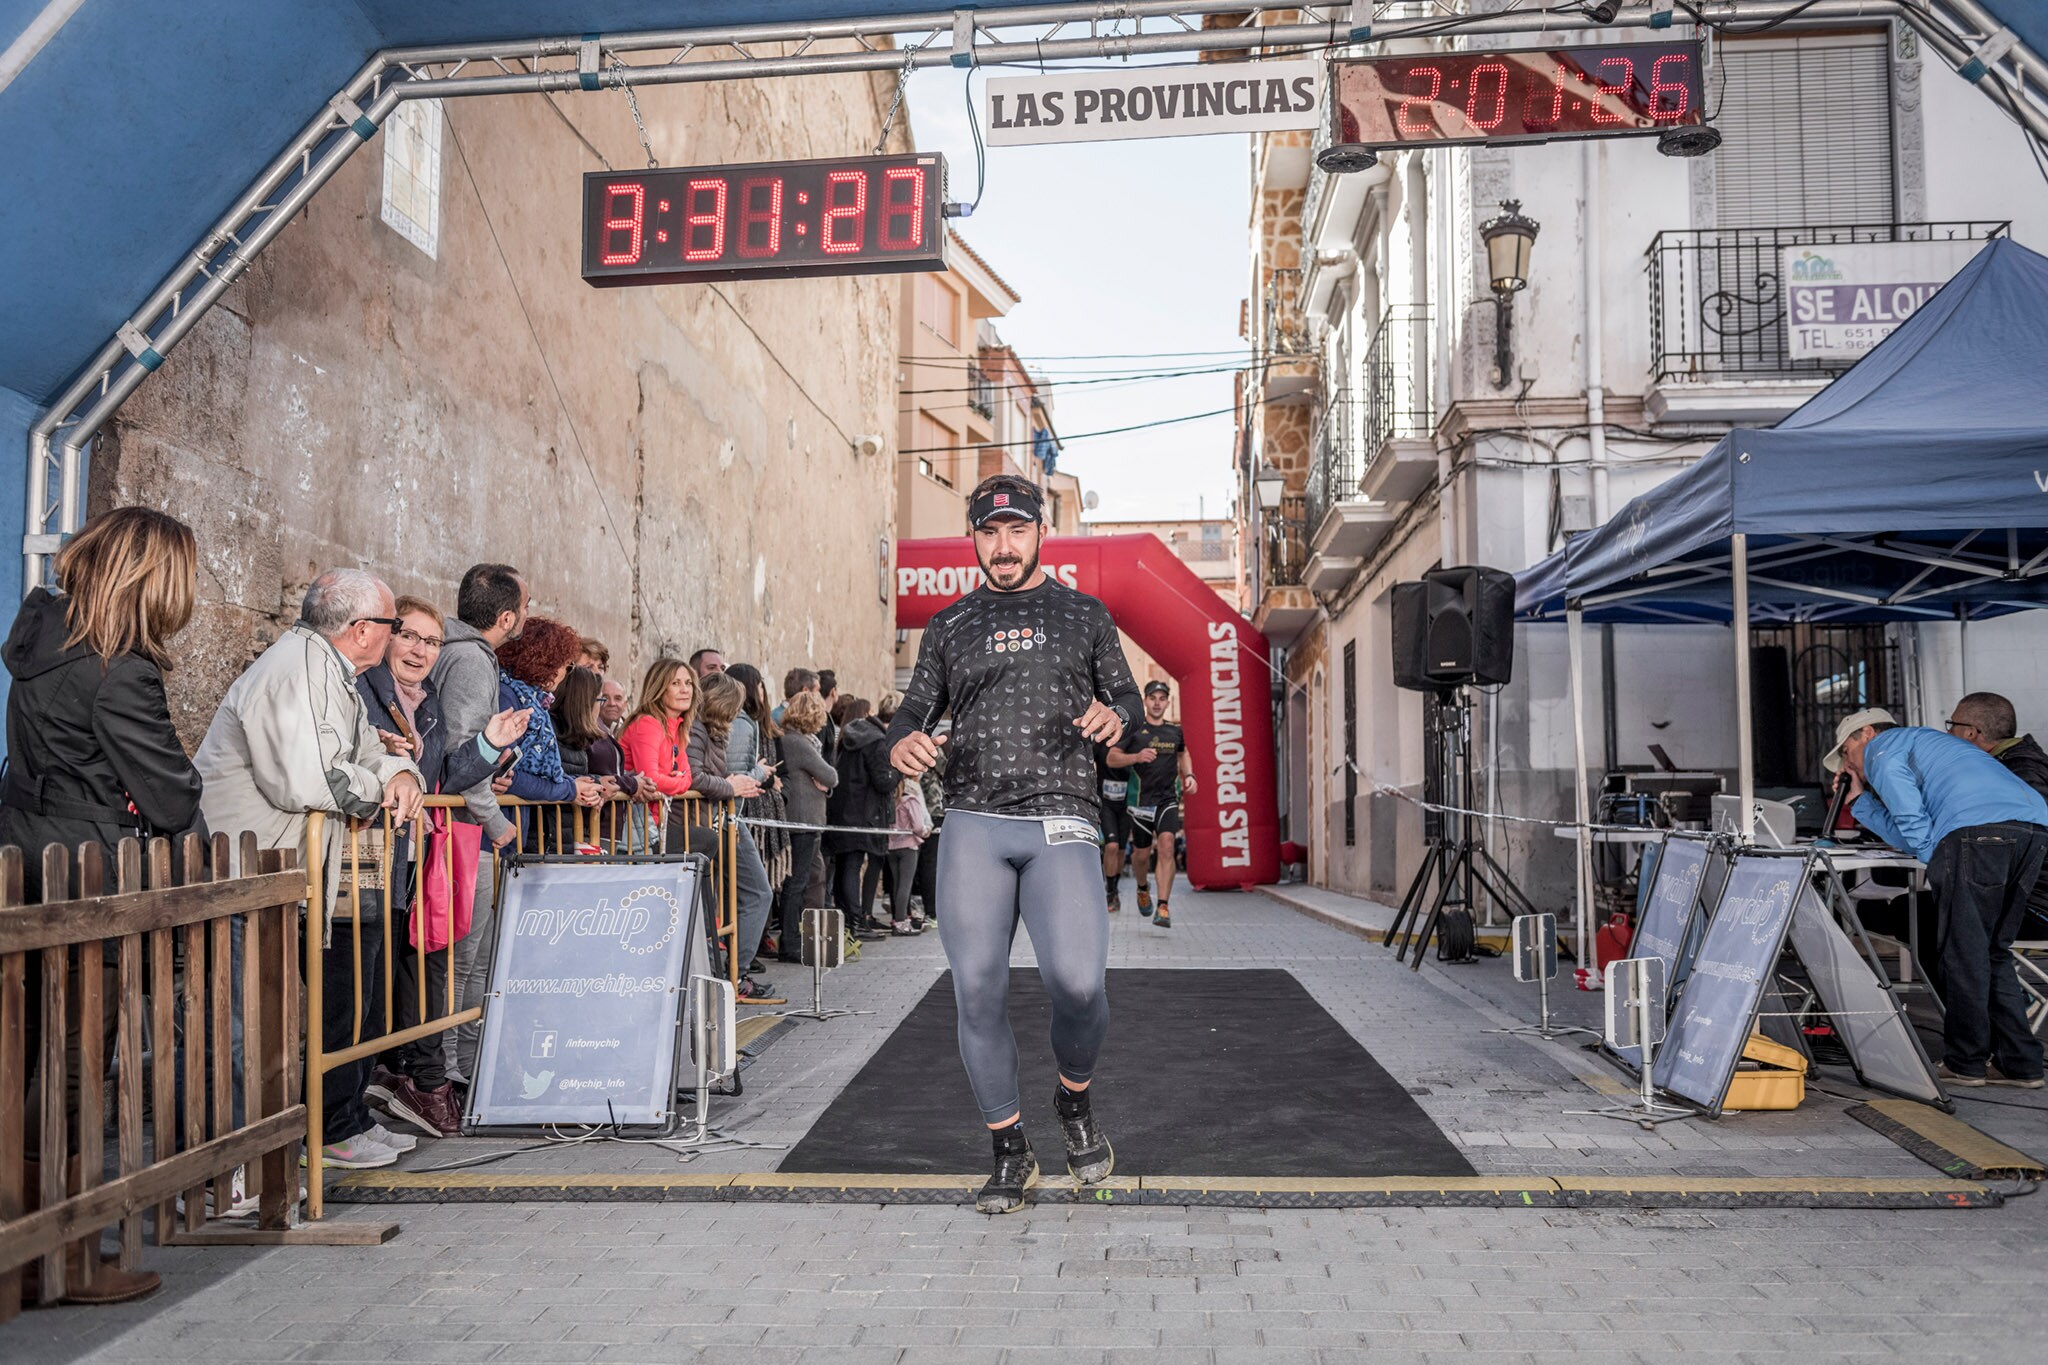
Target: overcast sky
{"points": [[1116, 247]]}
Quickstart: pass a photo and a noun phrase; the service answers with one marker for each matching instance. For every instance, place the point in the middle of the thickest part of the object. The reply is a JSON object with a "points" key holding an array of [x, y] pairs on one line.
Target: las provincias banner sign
{"points": [[1160, 101]]}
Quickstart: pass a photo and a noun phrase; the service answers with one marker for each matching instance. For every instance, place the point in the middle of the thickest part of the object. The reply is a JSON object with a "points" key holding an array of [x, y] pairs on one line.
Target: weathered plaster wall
{"points": [[355, 401]]}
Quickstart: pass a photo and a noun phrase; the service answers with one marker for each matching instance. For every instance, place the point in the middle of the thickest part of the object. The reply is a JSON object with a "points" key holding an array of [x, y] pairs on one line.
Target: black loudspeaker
{"points": [[1455, 627]]}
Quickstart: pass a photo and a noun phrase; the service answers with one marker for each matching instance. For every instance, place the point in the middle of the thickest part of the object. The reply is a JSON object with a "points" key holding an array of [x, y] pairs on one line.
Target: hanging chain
{"points": [[902, 82], [618, 70]]}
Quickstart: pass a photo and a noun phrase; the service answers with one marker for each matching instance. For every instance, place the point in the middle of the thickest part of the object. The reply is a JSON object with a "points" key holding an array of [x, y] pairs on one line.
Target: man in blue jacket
{"points": [[1983, 834]]}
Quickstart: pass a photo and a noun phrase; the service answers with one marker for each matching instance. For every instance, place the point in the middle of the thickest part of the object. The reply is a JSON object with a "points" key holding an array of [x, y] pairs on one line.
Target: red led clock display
{"points": [[782, 219], [1529, 95]]}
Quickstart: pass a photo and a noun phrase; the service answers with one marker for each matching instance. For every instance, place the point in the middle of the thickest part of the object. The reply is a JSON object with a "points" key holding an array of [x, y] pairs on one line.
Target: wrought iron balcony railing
{"points": [[1286, 532], [1717, 302], [981, 390], [1334, 466], [1285, 325], [1397, 378]]}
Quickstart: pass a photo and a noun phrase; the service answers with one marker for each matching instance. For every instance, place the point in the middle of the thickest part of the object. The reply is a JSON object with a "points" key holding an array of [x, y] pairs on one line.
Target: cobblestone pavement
{"points": [[765, 1283]]}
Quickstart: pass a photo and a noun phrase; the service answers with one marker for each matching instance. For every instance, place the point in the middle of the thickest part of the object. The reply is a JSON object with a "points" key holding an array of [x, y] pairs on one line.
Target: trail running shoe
{"points": [[1016, 1171], [1115, 903], [1090, 1158], [1162, 916], [1144, 899]]}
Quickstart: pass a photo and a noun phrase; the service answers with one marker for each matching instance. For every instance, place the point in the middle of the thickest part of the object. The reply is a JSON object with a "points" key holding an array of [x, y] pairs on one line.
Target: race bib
{"points": [[1064, 830], [1116, 791], [1146, 813]]}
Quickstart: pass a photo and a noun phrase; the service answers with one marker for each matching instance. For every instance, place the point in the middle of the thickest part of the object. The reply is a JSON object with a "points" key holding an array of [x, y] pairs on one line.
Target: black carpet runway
{"points": [[1207, 1073]]}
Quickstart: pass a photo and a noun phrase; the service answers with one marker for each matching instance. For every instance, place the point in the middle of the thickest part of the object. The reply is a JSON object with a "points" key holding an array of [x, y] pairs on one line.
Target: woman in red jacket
{"points": [[656, 743], [656, 736]]}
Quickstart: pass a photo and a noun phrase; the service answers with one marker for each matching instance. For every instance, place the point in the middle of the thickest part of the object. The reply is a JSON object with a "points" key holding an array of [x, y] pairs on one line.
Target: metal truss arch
{"points": [[1960, 31]]}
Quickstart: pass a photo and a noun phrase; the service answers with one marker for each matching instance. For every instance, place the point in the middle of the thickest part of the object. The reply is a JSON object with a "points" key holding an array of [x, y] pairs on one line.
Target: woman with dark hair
{"points": [[530, 667], [811, 780], [588, 750], [93, 757], [710, 779], [753, 746], [863, 798], [749, 748]]}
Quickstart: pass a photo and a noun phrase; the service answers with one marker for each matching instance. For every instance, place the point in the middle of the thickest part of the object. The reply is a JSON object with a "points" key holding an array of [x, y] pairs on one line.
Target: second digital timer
{"points": [[783, 219]]}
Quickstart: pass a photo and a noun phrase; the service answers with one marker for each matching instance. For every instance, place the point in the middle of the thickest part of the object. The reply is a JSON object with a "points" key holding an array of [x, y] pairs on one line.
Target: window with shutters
{"points": [[938, 309], [1806, 131], [938, 445]]}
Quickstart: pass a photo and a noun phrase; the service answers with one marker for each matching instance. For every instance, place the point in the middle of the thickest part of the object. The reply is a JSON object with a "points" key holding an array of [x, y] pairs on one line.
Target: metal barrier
{"points": [[552, 829], [166, 1004]]}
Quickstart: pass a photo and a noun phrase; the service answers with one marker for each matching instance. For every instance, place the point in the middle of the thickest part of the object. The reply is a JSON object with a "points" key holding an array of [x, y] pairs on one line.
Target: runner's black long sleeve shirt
{"points": [[1016, 670]]}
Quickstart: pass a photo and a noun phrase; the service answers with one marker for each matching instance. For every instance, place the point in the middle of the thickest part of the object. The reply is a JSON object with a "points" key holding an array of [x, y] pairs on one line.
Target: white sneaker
{"points": [[358, 1153], [400, 1143]]}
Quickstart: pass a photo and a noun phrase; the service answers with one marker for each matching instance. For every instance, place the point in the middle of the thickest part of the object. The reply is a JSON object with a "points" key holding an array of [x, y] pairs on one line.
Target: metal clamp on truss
{"points": [[140, 346], [963, 39], [1985, 54], [352, 117]]}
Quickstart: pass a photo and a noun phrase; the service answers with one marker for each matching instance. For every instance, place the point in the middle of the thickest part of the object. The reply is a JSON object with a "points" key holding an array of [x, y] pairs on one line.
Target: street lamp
{"points": [[1508, 238], [1270, 485]]}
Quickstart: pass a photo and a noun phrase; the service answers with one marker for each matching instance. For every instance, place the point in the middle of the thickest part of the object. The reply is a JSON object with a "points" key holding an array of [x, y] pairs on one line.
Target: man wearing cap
{"points": [[1033, 674], [1983, 834], [1160, 755]]}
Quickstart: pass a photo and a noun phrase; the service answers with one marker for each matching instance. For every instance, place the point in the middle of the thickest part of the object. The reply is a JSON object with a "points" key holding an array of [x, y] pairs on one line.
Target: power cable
{"points": [[745, 321], [1077, 436], [1062, 385], [1116, 355], [540, 350], [787, 373]]}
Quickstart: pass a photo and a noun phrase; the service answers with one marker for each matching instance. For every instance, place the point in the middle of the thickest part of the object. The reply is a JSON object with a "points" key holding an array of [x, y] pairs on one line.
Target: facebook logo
{"points": [[544, 1043]]}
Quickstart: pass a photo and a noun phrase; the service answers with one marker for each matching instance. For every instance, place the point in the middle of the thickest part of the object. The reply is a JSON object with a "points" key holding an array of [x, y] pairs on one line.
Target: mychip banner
{"points": [[586, 997], [1154, 101]]}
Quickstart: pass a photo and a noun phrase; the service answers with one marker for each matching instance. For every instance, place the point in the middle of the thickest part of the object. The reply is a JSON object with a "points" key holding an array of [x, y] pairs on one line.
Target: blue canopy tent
{"points": [[1914, 487]]}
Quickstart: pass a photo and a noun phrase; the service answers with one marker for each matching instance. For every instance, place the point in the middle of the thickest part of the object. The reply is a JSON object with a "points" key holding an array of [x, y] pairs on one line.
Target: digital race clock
{"points": [[781, 219], [1527, 95]]}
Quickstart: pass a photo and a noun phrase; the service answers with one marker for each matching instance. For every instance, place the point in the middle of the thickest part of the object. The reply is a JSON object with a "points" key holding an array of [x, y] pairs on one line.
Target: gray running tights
{"points": [[992, 871]]}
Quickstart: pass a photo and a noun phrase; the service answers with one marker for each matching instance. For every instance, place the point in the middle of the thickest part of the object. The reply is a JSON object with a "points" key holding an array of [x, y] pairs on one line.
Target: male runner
{"points": [[1033, 674], [1160, 755], [1116, 824]]}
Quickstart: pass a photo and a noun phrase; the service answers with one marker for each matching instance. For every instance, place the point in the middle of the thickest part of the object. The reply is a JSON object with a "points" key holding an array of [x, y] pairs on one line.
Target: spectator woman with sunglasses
{"points": [[411, 1081]]}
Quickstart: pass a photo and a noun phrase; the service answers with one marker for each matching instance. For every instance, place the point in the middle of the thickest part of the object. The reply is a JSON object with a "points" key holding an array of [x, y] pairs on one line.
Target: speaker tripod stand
{"points": [[1458, 864]]}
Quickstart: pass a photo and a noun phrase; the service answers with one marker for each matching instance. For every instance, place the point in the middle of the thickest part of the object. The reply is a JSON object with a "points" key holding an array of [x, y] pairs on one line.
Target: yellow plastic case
{"points": [[1776, 1081]]}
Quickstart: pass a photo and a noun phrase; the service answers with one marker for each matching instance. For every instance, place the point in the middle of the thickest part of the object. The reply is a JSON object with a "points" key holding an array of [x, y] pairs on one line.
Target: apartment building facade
{"points": [[1652, 321]]}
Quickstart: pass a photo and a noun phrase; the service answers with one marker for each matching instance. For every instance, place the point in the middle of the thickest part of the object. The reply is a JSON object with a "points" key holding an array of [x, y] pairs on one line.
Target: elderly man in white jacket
{"points": [[292, 736]]}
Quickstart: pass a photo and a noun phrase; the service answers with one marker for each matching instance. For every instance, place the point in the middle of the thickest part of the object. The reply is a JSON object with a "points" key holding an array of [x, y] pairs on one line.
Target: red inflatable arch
{"points": [[1218, 658]]}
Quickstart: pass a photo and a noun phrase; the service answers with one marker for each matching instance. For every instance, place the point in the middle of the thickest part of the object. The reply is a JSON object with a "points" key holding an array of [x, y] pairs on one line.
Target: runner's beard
{"points": [[998, 575]]}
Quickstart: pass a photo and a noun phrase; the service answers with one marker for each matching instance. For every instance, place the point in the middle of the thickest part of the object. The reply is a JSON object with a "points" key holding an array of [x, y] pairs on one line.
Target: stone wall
{"points": [[671, 467]]}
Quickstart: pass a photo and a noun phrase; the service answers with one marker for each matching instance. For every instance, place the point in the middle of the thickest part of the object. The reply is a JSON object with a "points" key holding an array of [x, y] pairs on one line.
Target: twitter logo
{"points": [[532, 1087]]}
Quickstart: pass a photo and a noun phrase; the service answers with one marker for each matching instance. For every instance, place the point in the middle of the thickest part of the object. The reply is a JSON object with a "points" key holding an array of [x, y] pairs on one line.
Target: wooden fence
{"points": [[143, 969], [133, 992]]}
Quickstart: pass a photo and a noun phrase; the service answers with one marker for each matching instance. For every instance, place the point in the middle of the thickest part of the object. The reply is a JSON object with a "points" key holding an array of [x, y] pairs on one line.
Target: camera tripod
{"points": [[1457, 865]]}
